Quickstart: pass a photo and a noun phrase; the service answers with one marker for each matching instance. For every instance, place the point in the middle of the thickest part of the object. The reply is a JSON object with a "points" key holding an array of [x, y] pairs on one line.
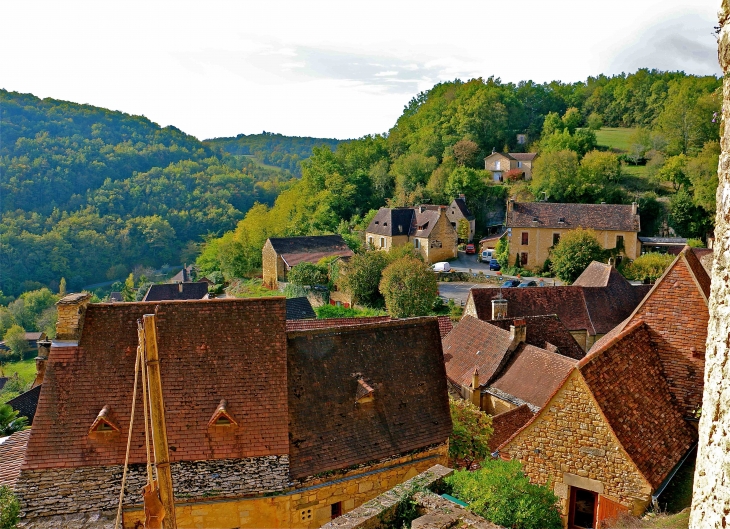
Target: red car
{"points": [[470, 249]]}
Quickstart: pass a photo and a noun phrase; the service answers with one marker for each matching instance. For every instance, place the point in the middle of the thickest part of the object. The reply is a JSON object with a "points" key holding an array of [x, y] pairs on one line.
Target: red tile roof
{"points": [[544, 332], [507, 423], [626, 379], [400, 360], [616, 217], [445, 323], [12, 450]]}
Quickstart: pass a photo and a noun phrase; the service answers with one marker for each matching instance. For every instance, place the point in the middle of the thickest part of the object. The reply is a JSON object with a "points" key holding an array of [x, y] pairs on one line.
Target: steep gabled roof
{"points": [[424, 221], [26, 403], [460, 204], [328, 323], [409, 409], [299, 309], [12, 451], [475, 344], [507, 423], [523, 156], [177, 291], [309, 244], [617, 217], [544, 332], [599, 275], [392, 222], [625, 377]]}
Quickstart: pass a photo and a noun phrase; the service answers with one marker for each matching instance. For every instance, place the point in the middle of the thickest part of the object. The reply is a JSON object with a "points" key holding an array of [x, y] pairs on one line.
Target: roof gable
{"points": [[546, 332], [409, 408], [392, 222], [299, 309], [523, 156], [616, 217], [177, 291]]}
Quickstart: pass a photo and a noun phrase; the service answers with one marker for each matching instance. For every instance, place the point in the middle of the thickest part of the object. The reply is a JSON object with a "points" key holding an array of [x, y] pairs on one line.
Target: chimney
{"points": [[510, 204], [499, 309], [180, 287], [44, 349], [462, 196], [421, 208], [611, 262], [634, 208], [476, 393], [517, 334], [71, 310]]}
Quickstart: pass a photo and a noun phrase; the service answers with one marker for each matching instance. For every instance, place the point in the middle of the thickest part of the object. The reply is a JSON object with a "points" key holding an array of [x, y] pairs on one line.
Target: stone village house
{"points": [[456, 212], [624, 418], [500, 163], [598, 300], [428, 228], [281, 254], [266, 427], [533, 228]]}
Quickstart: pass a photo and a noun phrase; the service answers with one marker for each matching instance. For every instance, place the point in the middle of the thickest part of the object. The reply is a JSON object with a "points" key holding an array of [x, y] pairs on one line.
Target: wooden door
{"points": [[608, 510]]}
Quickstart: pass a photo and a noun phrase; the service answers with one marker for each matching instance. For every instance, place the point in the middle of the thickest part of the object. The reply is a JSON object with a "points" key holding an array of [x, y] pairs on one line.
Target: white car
{"points": [[441, 267]]}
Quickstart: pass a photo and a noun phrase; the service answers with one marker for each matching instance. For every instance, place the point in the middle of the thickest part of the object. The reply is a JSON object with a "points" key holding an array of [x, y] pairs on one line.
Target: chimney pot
{"points": [[517, 333], [499, 309]]}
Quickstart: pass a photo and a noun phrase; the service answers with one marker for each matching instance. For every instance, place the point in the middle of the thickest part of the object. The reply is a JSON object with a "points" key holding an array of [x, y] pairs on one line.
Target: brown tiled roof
{"points": [[392, 222], [445, 326], [705, 255], [327, 323], [626, 379], [507, 423], [293, 259], [616, 217], [424, 221], [177, 291], [523, 156], [329, 244], [475, 344], [233, 349], [12, 450], [598, 275], [533, 375], [410, 409], [698, 270], [545, 330]]}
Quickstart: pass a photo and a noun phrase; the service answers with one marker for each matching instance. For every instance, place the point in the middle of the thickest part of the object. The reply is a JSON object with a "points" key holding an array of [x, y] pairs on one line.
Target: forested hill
{"points": [[87, 193], [273, 149]]}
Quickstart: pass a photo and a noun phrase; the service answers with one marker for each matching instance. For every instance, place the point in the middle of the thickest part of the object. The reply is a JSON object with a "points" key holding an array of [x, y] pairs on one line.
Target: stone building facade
{"points": [[501, 163]]}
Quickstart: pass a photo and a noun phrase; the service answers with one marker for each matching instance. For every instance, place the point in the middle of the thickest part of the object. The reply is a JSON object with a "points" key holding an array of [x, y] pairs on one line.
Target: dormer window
{"points": [[104, 423], [561, 220], [222, 417], [364, 393]]}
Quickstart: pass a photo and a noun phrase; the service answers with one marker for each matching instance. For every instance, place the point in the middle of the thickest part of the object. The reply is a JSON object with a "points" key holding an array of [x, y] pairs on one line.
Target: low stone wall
{"points": [[61, 491]]}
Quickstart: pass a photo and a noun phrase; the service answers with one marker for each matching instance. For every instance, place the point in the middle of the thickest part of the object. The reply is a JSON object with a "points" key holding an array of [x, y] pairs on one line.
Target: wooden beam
{"points": [[159, 430]]}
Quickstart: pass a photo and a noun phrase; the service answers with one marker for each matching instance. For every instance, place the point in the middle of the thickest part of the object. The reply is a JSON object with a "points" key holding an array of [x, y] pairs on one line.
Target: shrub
{"points": [[409, 288], [10, 422], [333, 311], [501, 493], [514, 174], [648, 267], [695, 243], [308, 274], [575, 251], [9, 509], [469, 439]]}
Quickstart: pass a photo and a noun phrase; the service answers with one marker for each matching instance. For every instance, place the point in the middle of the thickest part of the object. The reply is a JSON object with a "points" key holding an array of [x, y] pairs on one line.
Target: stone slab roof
{"points": [[392, 222], [311, 244], [177, 291], [12, 451], [625, 377], [507, 423], [299, 309], [616, 217], [523, 156], [27, 403], [293, 259], [409, 410], [460, 204], [544, 332]]}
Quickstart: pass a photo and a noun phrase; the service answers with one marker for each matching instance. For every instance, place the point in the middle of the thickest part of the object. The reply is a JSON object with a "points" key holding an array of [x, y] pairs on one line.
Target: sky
{"points": [[325, 68]]}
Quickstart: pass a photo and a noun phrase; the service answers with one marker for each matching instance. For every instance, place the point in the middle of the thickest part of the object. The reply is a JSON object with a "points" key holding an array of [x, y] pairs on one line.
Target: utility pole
{"points": [[159, 430]]}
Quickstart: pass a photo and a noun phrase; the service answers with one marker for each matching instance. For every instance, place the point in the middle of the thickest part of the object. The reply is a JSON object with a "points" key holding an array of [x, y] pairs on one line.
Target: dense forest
{"points": [[88, 194], [436, 149], [278, 150]]}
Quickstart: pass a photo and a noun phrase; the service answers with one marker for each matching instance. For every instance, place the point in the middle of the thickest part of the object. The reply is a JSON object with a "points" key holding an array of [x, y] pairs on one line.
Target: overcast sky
{"points": [[328, 69]]}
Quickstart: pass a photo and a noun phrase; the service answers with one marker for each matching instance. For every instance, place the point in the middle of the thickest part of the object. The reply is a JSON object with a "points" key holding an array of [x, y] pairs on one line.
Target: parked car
{"points": [[487, 255], [528, 284], [494, 265], [441, 267], [511, 283], [470, 249]]}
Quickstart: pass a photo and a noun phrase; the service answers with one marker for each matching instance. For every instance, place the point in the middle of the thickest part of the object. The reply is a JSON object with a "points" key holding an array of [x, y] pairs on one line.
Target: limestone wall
{"points": [[570, 444], [442, 241], [269, 263]]}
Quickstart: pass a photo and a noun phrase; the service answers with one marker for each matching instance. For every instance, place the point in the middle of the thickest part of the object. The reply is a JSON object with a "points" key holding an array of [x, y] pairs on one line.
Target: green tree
{"points": [[501, 252], [409, 288], [129, 290], [555, 175], [702, 173], [308, 274], [15, 340], [552, 124], [10, 422], [503, 494], [674, 171], [463, 230], [62, 287], [595, 121], [9, 508], [574, 252], [687, 219], [466, 153], [469, 440], [361, 277], [648, 267], [572, 119]]}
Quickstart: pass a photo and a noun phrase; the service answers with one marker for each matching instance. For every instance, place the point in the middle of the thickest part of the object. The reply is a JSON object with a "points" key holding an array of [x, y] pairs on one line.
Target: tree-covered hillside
{"points": [[286, 152], [87, 193]]}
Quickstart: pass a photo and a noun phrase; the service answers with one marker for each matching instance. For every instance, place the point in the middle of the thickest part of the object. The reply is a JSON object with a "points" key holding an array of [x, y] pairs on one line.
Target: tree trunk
{"points": [[711, 497]]}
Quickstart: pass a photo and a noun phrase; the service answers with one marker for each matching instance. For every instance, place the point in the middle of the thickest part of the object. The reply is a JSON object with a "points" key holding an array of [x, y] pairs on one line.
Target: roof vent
{"points": [[385, 223], [377, 222], [561, 220], [221, 416], [364, 393], [104, 423]]}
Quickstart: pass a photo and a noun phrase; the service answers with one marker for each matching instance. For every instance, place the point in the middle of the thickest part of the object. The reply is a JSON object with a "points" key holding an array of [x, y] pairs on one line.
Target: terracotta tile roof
{"points": [[543, 331], [410, 408], [327, 323], [299, 309], [233, 349], [617, 217], [392, 222], [626, 379], [507, 423], [328, 244], [533, 374], [599, 275], [12, 451], [705, 255], [26, 403], [475, 344], [692, 255], [445, 326], [177, 291], [293, 259], [523, 156]]}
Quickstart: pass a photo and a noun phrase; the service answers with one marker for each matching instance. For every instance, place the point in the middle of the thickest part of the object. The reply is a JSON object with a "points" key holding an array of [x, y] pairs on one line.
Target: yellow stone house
{"points": [[533, 228], [501, 163], [428, 228]]}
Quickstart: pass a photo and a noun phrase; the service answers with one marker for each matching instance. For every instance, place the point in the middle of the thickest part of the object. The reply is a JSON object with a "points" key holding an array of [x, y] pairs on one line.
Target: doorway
{"points": [[583, 509]]}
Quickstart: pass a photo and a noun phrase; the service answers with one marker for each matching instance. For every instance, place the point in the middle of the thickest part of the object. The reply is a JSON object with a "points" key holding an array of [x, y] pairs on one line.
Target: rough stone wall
{"points": [[444, 233], [269, 262], [711, 496], [71, 311], [91, 489], [571, 442]]}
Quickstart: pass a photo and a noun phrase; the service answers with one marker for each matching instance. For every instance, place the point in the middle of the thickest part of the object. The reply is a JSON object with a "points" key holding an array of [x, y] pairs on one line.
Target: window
{"points": [[435, 244], [416, 244], [619, 242], [519, 165], [336, 509], [370, 241], [497, 165], [523, 259], [556, 238], [525, 238], [382, 242]]}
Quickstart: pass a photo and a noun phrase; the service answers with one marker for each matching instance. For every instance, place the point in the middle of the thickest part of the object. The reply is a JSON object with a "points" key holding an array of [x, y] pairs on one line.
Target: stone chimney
{"points": [[510, 204], [44, 349], [71, 311], [499, 309], [476, 393], [634, 208], [462, 196], [517, 334]]}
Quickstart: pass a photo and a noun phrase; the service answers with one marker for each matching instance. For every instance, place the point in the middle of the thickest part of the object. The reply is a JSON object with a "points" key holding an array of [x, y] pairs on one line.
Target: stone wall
{"points": [[269, 260], [570, 444], [71, 309], [445, 234]]}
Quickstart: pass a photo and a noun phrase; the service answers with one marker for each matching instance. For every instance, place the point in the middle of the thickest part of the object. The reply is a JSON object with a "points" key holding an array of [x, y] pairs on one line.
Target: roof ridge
{"points": [[610, 343]]}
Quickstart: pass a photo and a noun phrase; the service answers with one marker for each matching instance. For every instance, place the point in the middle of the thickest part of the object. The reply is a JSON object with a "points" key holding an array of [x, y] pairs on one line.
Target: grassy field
{"points": [[26, 373], [614, 138], [250, 288]]}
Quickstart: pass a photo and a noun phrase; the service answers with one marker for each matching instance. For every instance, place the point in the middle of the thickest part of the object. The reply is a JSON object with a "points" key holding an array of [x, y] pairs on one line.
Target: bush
{"points": [[469, 439], [575, 251], [9, 509], [648, 267], [501, 493], [695, 243], [409, 288], [308, 274], [333, 311]]}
